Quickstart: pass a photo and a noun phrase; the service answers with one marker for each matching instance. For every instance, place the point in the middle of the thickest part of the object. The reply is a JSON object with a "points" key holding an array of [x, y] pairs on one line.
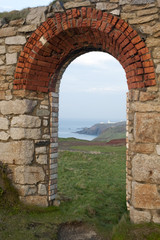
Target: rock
{"points": [[14, 49], [140, 20], [17, 106], [26, 190], [4, 123], [2, 49], [42, 112], [156, 216], [139, 2], [146, 128], [28, 175], [28, 28], [156, 52], [145, 107], [36, 15], [116, 12], [142, 147], [123, 2], [145, 196], [145, 96], [35, 200], [147, 12], [42, 189], [16, 22], [146, 168], [152, 42], [106, 6], [15, 152], [27, 133], [17, 40], [158, 149], [41, 159], [40, 150], [7, 70], [26, 121], [8, 31], [1, 62], [138, 216], [4, 136], [2, 95], [158, 68], [75, 4], [11, 58]]}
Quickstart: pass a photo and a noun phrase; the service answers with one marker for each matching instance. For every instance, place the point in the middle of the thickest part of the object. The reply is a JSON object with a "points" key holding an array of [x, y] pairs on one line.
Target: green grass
{"points": [[91, 189], [14, 15]]}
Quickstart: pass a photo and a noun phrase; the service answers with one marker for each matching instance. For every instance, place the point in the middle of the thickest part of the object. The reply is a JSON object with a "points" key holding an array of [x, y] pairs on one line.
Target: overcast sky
{"points": [[93, 85]]}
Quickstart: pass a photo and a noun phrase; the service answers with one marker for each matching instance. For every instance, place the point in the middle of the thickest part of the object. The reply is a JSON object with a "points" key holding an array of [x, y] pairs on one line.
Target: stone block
{"points": [[146, 127], [18, 152], [138, 216], [4, 123], [7, 70], [158, 149], [36, 15], [26, 190], [16, 22], [156, 216], [106, 6], [25, 133], [11, 58], [17, 40], [28, 175], [42, 189], [28, 28], [42, 112], [35, 200], [146, 148], [147, 12], [152, 42], [143, 19], [75, 4], [4, 136], [116, 12], [8, 31], [17, 106], [26, 121], [146, 168], [41, 150], [41, 159], [2, 49], [145, 196], [146, 96], [158, 68], [156, 52], [14, 49]]}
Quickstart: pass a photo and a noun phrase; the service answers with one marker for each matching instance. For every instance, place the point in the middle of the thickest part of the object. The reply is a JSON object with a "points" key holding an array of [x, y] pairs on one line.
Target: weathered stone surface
{"points": [[11, 58], [143, 19], [147, 128], [158, 68], [146, 168], [40, 150], [129, 8], [2, 49], [145, 196], [4, 123], [2, 95], [36, 15], [41, 159], [14, 49], [26, 190], [156, 216], [152, 42], [16, 22], [68, 5], [28, 28], [1, 62], [17, 40], [25, 133], [145, 107], [138, 2], [17, 106], [116, 12], [42, 112], [142, 147], [26, 121], [147, 12], [6, 32], [2, 22], [7, 70], [126, 16], [42, 189], [156, 52], [139, 216], [146, 96], [35, 200], [18, 152], [28, 175], [158, 149], [106, 6], [4, 136]]}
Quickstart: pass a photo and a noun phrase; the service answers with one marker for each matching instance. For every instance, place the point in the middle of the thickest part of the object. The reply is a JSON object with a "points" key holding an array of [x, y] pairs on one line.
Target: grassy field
{"points": [[91, 190]]}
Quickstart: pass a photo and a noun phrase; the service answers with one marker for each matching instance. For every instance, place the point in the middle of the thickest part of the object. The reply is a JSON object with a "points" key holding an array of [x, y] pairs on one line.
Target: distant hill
{"points": [[113, 132], [100, 128]]}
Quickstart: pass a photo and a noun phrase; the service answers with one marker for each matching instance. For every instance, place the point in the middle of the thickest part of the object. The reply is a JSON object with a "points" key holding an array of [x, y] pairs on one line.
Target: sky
{"points": [[93, 85]]}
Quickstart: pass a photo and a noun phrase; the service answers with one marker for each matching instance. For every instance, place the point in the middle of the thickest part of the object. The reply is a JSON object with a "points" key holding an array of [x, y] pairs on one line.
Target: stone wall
{"points": [[34, 53]]}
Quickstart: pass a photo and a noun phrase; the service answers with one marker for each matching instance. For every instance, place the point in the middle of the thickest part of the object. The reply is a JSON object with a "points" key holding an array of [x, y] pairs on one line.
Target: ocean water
{"points": [[68, 127]]}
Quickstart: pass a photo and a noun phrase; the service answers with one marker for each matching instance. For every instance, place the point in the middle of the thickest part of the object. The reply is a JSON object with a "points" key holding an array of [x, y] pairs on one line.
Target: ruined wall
{"points": [[33, 57]]}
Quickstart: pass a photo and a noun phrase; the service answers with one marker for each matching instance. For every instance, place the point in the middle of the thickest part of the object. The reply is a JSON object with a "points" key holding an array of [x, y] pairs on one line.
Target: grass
{"points": [[91, 189], [14, 15]]}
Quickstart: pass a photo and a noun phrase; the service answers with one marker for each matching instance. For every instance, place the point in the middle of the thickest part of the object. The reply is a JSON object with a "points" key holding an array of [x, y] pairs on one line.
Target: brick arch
{"points": [[76, 31]]}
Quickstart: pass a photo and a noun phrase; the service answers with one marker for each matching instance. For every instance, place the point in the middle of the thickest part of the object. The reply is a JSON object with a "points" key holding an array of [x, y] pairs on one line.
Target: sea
{"points": [[69, 127]]}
